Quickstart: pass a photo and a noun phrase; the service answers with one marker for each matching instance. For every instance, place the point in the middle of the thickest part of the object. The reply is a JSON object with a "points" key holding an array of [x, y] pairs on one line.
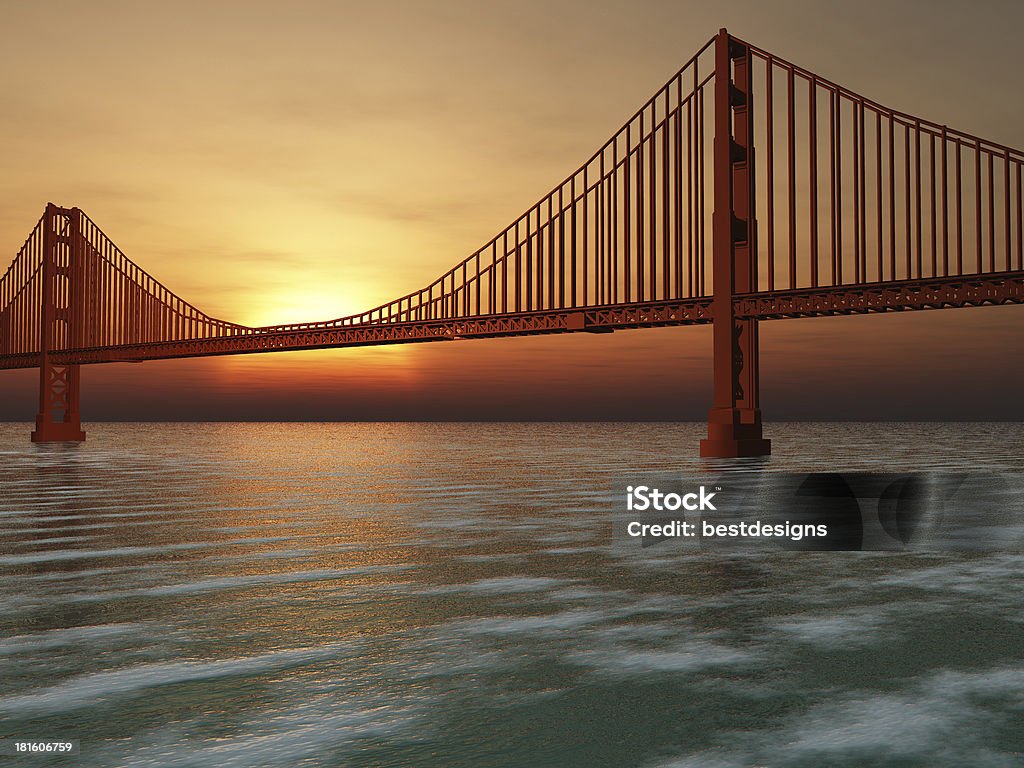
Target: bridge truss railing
{"points": [[96, 295], [630, 225], [124, 305], [20, 297], [852, 192]]}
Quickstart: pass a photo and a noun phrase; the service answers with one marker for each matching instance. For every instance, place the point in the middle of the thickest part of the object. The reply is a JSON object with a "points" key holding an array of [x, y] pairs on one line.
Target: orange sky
{"points": [[276, 162]]}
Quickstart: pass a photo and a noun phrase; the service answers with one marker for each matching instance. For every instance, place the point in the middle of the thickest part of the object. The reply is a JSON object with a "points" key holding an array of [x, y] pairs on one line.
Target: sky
{"points": [[278, 162]]}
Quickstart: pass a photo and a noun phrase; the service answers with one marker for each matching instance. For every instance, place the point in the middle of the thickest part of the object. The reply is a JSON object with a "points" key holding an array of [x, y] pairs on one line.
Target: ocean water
{"points": [[451, 595]]}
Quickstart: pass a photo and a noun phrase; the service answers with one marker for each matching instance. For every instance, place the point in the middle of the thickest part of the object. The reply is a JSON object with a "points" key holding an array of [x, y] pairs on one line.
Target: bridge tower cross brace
{"points": [[734, 422], [60, 324]]}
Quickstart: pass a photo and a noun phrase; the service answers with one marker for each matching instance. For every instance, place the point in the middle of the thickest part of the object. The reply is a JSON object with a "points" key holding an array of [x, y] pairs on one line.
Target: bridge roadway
{"points": [[892, 296]]}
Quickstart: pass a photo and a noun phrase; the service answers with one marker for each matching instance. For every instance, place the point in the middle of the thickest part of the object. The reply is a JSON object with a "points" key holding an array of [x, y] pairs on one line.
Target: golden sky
{"points": [[276, 162]]}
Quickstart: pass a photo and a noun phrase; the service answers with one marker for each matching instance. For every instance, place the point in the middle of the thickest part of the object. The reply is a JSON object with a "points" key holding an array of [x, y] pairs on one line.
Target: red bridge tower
{"points": [[60, 325], [734, 422]]}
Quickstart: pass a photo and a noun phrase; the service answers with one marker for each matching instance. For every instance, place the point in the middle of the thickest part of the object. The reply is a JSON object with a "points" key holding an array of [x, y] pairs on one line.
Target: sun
{"points": [[303, 306]]}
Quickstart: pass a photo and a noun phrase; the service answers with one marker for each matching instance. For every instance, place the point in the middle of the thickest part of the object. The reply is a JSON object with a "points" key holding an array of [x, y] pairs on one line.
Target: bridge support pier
{"points": [[734, 427], [60, 326], [58, 419], [734, 422]]}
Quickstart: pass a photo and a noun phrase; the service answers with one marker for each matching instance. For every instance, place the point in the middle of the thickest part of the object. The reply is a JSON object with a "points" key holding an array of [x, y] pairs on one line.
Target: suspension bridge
{"points": [[854, 208]]}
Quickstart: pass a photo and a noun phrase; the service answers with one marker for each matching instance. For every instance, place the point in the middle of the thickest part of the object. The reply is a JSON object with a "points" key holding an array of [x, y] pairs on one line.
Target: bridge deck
{"points": [[907, 295]]}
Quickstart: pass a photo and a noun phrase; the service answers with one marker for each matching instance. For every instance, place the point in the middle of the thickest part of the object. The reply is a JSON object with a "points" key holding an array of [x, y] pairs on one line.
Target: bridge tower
{"points": [[61, 325], [734, 422]]}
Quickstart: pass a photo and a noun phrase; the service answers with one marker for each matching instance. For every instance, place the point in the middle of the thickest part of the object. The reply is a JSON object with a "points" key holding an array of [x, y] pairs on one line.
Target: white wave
{"points": [[695, 656], [948, 720], [91, 689], [80, 554], [57, 638]]}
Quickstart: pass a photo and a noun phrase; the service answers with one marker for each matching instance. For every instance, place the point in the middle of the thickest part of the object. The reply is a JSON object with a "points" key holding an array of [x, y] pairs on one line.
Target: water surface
{"points": [[448, 595]]}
